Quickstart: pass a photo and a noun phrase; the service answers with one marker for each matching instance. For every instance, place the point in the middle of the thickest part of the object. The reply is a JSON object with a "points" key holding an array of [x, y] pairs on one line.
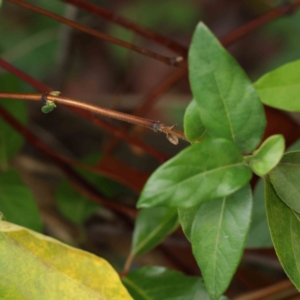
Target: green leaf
{"points": [[267, 156], [151, 227], [281, 87], [285, 179], [186, 218], [229, 105], [153, 283], [36, 267], [285, 232], [259, 234], [294, 147], [204, 171], [76, 207], [193, 127], [17, 202], [218, 235], [2, 217], [10, 140]]}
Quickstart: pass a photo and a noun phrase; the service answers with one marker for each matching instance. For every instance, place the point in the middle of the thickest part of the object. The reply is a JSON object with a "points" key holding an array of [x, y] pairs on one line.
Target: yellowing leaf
{"points": [[36, 267]]}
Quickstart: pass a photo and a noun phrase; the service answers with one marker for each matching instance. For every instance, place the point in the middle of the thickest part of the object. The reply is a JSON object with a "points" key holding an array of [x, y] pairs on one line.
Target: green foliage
{"points": [[211, 169], [76, 207], [285, 231], [48, 107], [267, 156], [259, 233], [193, 127], [152, 283], [17, 202], [285, 179], [10, 140], [229, 105], [151, 227], [36, 267], [218, 238], [281, 88]]}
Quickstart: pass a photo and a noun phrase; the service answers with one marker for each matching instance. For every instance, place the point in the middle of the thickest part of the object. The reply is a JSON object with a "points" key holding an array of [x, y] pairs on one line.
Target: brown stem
{"points": [[149, 101], [283, 288], [110, 16], [79, 184], [127, 265], [154, 125], [273, 14], [122, 134], [172, 61]]}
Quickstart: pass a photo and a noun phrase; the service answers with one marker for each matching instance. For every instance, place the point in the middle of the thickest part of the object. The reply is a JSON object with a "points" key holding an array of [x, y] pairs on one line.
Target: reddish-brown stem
{"points": [[25, 77], [110, 16], [158, 91], [172, 61], [86, 114], [153, 125], [283, 288], [127, 265], [78, 182], [273, 14], [149, 102]]}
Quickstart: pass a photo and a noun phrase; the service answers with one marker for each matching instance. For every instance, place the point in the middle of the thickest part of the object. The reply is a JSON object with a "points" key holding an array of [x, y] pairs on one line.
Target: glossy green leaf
{"points": [[259, 233], [193, 127], [229, 105], [285, 179], [17, 202], [218, 236], [267, 156], [10, 140], [151, 228], [76, 207], [36, 267], [281, 88], [153, 283], [204, 171], [285, 231]]}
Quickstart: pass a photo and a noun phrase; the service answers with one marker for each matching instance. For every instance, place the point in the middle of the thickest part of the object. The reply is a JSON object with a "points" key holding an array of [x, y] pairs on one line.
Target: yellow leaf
{"points": [[36, 267]]}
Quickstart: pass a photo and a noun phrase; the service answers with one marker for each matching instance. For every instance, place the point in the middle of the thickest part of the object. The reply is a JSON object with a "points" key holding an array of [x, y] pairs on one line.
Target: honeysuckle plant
{"points": [[205, 189], [207, 184]]}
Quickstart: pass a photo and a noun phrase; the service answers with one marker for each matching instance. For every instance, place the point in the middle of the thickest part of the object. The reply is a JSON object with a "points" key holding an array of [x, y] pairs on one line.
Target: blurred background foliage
{"points": [[92, 70]]}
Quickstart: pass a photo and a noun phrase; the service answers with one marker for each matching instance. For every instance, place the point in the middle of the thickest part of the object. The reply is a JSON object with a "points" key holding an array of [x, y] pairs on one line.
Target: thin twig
{"points": [[153, 125], [172, 61], [273, 14], [122, 134], [284, 287], [145, 32], [77, 182], [147, 104]]}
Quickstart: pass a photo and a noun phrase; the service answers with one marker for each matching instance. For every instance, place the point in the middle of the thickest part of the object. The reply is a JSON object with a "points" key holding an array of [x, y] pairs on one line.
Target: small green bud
{"points": [[48, 107]]}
